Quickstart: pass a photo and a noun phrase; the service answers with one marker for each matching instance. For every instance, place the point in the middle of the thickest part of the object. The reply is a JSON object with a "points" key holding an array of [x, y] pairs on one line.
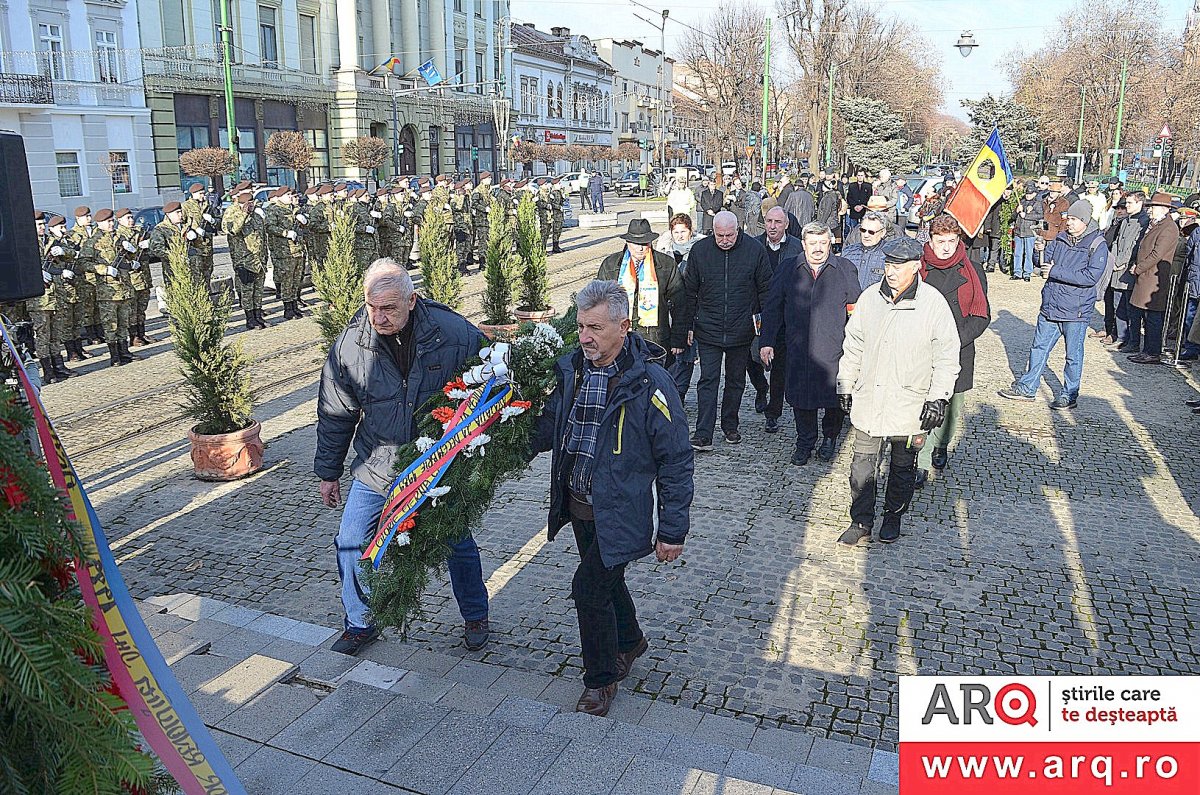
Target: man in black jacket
{"points": [[726, 282], [621, 459], [655, 288], [398, 351], [780, 246], [711, 200]]}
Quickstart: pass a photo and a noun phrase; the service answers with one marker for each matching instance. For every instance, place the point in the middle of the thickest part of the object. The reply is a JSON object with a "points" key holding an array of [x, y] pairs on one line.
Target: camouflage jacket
{"points": [[280, 220]]}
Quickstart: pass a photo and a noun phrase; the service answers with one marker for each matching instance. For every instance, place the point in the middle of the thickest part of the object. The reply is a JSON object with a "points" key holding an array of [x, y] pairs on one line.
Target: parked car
{"points": [[574, 181], [729, 168], [148, 217], [935, 169], [922, 188], [629, 184]]}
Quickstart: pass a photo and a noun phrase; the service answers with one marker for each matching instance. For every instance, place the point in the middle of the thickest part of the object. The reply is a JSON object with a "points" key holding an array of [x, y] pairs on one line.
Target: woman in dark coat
{"points": [[946, 266], [807, 309]]}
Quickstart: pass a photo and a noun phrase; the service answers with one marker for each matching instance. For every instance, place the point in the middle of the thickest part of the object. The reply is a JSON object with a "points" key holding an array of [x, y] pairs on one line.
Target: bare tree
{"points": [[290, 150], [366, 153], [209, 161]]}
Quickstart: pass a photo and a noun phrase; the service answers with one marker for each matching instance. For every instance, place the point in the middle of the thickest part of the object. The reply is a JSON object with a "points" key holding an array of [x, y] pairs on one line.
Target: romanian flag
{"points": [[982, 185], [390, 64]]}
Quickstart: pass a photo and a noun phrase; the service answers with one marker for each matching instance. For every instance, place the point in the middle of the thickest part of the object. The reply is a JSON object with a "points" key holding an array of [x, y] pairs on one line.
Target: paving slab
{"points": [[726, 731], [512, 765], [374, 674], [524, 712], [270, 771], [325, 779], [781, 744], [474, 700], [656, 777], [373, 748], [426, 687], [808, 780], [318, 731], [270, 712], [583, 768], [671, 718], [760, 769], [885, 767], [442, 756], [477, 674], [840, 757], [714, 784]]}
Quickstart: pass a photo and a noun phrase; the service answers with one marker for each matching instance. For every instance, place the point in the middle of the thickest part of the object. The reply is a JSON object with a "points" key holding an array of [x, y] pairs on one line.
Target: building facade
{"points": [[561, 92], [642, 103], [70, 84]]}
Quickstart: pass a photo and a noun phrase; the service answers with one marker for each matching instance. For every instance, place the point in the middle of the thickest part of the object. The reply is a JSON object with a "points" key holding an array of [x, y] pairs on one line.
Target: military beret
{"points": [[82, 210], [121, 213], [245, 198], [56, 220], [196, 187], [39, 215], [171, 207], [279, 193], [902, 249], [485, 175], [310, 191], [339, 186], [324, 190], [521, 184], [103, 215]]}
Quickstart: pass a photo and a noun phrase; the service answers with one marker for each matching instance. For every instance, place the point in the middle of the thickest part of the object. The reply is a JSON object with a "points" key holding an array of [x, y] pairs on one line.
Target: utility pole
{"points": [[227, 68], [829, 121], [1116, 161], [662, 73], [766, 100], [1082, 103]]}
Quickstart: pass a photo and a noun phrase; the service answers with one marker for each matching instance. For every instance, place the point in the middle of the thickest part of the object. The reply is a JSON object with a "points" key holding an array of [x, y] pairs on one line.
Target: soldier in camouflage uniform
{"points": [[319, 220], [541, 200], [140, 278], [287, 251], [407, 225], [366, 243], [481, 202], [171, 226], [248, 251], [389, 225], [88, 329], [460, 224], [557, 199], [64, 253], [47, 320], [199, 214], [101, 256]]}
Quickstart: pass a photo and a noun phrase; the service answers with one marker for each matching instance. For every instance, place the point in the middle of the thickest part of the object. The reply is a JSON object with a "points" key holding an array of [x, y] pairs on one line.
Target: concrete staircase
{"points": [[294, 717]]}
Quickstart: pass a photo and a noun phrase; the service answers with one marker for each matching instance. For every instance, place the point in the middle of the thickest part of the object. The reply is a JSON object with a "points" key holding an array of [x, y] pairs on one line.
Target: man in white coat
{"points": [[897, 373]]}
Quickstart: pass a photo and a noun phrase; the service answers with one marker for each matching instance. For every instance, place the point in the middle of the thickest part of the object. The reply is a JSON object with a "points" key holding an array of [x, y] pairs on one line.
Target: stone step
{"points": [[424, 721]]}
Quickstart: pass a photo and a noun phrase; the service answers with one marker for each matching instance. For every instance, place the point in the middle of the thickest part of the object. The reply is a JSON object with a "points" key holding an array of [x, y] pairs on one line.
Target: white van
{"points": [[728, 168]]}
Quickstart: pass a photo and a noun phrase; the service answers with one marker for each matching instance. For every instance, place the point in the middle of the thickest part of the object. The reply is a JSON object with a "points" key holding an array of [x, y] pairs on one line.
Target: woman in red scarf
{"points": [[945, 266]]}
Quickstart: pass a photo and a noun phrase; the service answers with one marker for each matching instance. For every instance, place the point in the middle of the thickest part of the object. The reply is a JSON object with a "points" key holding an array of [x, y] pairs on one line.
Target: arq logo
{"points": [[1013, 704]]}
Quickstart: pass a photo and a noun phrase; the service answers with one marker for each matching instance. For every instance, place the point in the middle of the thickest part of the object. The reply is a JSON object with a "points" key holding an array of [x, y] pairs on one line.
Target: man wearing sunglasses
{"points": [[867, 251]]}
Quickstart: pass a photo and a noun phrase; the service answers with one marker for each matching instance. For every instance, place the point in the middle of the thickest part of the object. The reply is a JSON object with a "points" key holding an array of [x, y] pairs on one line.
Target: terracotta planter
{"points": [[501, 331], [535, 317], [227, 456]]}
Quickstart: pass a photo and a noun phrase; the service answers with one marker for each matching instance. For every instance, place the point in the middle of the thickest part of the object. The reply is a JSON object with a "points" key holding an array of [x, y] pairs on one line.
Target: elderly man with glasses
{"points": [[866, 253]]}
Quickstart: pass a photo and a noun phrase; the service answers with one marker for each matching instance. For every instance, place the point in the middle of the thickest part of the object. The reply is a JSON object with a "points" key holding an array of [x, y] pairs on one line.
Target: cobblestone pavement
{"points": [[1055, 542]]}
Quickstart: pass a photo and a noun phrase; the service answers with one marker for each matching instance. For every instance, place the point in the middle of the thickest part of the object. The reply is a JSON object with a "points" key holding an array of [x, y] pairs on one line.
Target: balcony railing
{"points": [[26, 90]]}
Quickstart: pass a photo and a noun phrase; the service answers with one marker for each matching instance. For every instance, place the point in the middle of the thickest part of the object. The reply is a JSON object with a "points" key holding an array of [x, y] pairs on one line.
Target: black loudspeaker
{"points": [[20, 262]]}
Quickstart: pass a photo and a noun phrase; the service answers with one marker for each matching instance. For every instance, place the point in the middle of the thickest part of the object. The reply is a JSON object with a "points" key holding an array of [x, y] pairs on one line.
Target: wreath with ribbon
{"points": [[475, 434]]}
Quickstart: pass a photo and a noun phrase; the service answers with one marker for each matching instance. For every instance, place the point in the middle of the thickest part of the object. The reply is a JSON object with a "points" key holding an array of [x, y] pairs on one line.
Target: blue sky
{"points": [[999, 26]]}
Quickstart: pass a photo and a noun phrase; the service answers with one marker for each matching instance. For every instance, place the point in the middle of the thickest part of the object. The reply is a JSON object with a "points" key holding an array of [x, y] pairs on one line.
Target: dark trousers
{"points": [[1116, 316], [806, 426], [607, 618], [682, 369], [585, 199], [711, 357], [865, 467], [1152, 322], [775, 386]]}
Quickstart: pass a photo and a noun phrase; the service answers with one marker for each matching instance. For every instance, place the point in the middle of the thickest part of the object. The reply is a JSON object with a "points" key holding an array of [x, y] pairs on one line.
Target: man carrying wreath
{"points": [[621, 459], [398, 351]]}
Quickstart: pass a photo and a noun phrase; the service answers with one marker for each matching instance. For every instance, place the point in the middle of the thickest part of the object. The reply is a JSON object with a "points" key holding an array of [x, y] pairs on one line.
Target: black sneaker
{"points": [[760, 402], [773, 424], [352, 641], [1013, 394], [733, 437], [854, 533], [941, 458], [800, 457], [701, 444], [921, 479], [827, 449], [1062, 403], [475, 634], [889, 531]]}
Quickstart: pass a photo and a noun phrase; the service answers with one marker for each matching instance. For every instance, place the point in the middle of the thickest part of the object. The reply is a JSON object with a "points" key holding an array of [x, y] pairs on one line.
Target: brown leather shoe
{"points": [[625, 658], [597, 700]]}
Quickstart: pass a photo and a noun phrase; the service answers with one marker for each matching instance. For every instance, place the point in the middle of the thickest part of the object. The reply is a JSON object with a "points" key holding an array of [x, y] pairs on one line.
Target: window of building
{"points": [[558, 103], [70, 177], [479, 8], [460, 67], [549, 100], [480, 60], [268, 37], [319, 141], [106, 57], [435, 147], [122, 179], [174, 31], [458, 5], [624, 122], [50, 45], [247, 151], [308, 44]]}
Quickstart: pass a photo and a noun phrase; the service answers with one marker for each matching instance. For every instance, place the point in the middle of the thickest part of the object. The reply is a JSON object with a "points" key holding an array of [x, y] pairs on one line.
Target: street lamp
{"points": [[966, 43]]}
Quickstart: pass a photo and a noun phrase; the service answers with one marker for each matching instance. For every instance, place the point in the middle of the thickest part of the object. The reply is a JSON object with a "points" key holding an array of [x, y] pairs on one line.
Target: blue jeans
{"points": [[1152, 323], [359, 520], [1189, 349], [1045, 337], [1023, 256], [598, 202]]}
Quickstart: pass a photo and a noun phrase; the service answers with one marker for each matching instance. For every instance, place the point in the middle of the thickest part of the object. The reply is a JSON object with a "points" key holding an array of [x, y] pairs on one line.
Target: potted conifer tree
{"points": [[226, 442], [500, 275], [535, 283], [440, 277]]}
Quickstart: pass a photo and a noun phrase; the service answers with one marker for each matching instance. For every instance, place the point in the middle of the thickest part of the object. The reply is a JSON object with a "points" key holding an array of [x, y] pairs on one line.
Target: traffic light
{"points": [[474, 153], [750, 141], [502, 84]]}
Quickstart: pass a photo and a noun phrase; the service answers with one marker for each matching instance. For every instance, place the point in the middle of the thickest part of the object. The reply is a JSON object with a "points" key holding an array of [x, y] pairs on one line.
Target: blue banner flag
{"points": [[430, 72]]}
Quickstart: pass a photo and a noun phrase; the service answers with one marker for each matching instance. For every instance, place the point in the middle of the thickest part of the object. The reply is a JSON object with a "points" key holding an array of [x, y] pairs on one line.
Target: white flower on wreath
{"points": [[401, 540], [424, 444], [476, 445], [508, 412], [458, 394], [436, 493]]}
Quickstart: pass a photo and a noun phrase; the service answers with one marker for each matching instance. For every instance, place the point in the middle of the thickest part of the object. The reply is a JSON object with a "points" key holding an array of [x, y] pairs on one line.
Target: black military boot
{"points": [[288, 310], [60, 369], [251, 320], [48, 374], [258, 316], [126, 355], [557, 249], [114, 355]]}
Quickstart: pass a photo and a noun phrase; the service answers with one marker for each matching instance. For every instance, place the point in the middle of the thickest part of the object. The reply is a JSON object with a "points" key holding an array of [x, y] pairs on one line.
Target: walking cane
{"points": [[1179, 334]]}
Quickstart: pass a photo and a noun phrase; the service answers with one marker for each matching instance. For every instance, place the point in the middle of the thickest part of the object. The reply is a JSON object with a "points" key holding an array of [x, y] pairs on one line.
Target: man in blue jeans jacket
{"points": [[398, 351], [1076, 259]]}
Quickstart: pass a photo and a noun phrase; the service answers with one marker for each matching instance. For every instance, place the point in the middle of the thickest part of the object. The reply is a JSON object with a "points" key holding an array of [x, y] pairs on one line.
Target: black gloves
{"points": [[846, 401], [933, 414], [244, 275]]}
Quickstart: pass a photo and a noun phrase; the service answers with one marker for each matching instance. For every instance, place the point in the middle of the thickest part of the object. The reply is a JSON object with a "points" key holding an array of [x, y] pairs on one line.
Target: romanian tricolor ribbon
{"points": [[477, 412], [162, 711]]}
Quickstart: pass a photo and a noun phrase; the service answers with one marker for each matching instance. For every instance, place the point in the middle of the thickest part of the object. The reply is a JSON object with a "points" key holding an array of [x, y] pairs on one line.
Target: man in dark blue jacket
{"points": [[621, 459], [1077, 259], [780, 247], [398, 351]]}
